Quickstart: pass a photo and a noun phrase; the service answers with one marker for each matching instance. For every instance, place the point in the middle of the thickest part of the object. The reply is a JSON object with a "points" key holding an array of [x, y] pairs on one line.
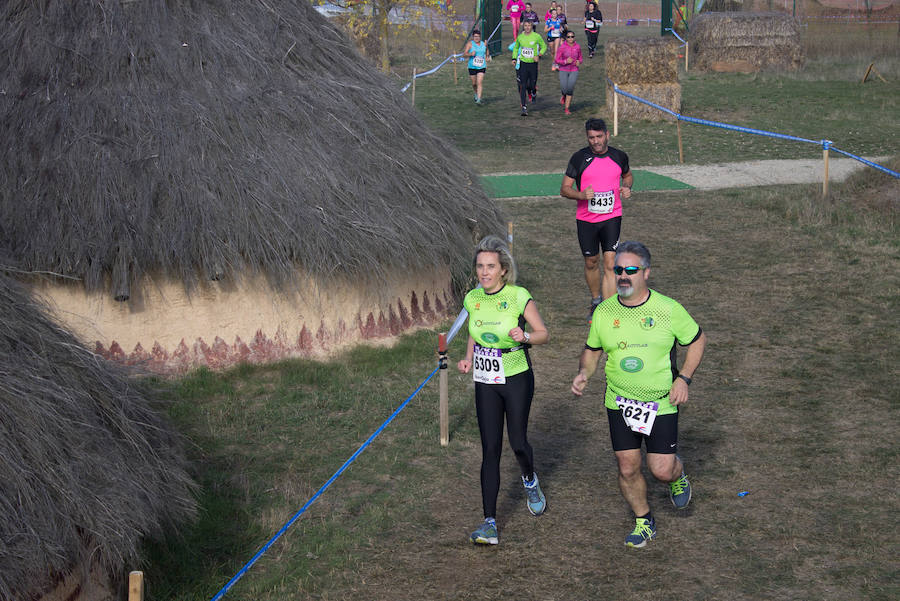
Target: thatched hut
{"points": [[206, 182], [647, 68], [87, 466], [745, 42]]}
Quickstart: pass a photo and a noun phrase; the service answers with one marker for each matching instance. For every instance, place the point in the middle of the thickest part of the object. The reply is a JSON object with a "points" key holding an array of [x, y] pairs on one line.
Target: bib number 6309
{"points": [[487, 366]]}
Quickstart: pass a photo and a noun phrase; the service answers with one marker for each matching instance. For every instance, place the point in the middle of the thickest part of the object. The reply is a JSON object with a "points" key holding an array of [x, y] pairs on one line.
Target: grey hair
{"points": [[634, 248], [496, 245]]}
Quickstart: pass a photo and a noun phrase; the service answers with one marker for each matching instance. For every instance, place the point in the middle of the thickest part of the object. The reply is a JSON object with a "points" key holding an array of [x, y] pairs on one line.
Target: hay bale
{"points": [[760, 40], [88, 465], [642, 60], [663, 94]]}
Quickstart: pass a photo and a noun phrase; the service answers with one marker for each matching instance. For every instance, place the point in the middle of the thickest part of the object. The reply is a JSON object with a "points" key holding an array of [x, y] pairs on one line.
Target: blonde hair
{"points": [[494, 244]]}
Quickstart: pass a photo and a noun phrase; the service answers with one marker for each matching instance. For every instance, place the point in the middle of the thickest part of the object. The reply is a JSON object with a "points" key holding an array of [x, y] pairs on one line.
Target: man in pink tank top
{"points": [[598, 177]]}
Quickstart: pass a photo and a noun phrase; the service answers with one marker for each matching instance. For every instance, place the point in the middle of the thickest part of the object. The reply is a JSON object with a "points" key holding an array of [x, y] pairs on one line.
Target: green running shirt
{"points": [[492, 316], [528, 46], [640, 344]]}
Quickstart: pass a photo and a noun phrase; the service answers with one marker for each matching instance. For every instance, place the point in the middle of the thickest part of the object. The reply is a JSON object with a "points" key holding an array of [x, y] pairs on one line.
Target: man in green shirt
{"points": [[638, 328], [526, 52]]}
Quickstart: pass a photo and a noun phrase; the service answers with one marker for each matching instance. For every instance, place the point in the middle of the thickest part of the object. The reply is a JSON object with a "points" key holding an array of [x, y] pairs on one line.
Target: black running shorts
{"points": [[596, 236], [663, 439]]}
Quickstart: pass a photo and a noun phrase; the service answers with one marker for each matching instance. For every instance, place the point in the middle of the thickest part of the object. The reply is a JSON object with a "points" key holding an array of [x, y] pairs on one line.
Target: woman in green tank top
{"points": [[497, 355]]}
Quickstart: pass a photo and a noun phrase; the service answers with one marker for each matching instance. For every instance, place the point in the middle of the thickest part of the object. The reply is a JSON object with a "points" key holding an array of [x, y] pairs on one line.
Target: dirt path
{"points": [[761, 173]]}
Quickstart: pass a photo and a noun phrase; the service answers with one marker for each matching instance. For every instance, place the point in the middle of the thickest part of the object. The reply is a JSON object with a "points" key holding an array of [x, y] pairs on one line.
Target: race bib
{"points": [[478, 61], [514, 8], [527, 52], [588, 24], [639, 416], [554, 33], [487, 366], [602, 203]]}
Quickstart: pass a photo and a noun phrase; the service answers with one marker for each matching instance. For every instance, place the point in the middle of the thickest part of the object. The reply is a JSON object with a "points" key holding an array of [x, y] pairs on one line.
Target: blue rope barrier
{"points": [[319, 492], [825, 144], [446, 60]]}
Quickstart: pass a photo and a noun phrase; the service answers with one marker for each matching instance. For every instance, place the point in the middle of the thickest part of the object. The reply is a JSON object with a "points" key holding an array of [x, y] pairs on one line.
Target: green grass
{"points": [[795, 401], [797, 340], [824, 101]]}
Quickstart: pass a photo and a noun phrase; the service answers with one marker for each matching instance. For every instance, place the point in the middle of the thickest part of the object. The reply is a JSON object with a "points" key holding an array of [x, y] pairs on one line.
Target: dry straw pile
{"points": [[647, 68], [212, 139], [745, 41], [87, 466]]}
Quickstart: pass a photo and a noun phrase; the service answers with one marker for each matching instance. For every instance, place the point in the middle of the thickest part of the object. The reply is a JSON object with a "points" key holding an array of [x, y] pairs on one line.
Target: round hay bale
{"points": [[642, 60], [743, 41], [218, 147], [667, 95]]}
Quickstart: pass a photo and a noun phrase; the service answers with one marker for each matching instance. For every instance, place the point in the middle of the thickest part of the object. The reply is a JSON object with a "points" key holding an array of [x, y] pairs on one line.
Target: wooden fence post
{"points": [[615, 112], [444, 394], [680, 145], [413, 95], [509, 236], [825, 180], [136, 586]]}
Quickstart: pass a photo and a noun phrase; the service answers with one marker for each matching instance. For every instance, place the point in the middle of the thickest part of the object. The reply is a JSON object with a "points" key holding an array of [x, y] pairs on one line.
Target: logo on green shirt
{"points": [[647, 322], [631, 364], [489, 337]]}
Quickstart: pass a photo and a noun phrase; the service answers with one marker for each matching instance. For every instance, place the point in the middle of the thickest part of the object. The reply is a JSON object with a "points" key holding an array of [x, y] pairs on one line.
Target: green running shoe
{"points": [[644, 530], [680, 492], [535, 499], [486, 534]]}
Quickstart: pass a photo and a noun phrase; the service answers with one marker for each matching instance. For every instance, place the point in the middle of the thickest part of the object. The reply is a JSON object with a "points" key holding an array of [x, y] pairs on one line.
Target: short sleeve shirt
{"points": [[492, 316], [601, 172], [640, 344]]}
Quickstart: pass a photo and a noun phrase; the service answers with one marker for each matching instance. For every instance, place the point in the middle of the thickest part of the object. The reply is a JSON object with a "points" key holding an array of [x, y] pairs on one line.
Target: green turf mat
{"points": [[547, 184]]}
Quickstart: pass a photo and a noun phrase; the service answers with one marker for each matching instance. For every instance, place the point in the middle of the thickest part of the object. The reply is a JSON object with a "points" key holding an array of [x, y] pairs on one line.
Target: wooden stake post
{"points": [[413, 94], [615, 112], [825, 180], [444, 394], [509, 236], [680, 145], [136, 586]]}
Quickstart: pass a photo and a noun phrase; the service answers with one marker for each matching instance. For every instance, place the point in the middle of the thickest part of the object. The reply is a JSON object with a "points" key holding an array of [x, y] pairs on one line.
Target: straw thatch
{"points": [[642, 60], [209, 140], [87, 466], [740, 41], [667, 95]]}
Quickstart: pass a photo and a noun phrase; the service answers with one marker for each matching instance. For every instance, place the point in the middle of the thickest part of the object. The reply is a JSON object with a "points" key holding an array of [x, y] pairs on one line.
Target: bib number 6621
{"points": [[638, 415]]}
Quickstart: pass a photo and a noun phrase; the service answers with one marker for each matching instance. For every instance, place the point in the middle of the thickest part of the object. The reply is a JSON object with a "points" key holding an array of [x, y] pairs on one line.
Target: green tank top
{"points": [[492, 316], [640, 342]]}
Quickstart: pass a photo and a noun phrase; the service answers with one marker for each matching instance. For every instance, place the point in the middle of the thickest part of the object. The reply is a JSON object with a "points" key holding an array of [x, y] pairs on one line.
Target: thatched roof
{"points": [[208, 139], [87, 467]]}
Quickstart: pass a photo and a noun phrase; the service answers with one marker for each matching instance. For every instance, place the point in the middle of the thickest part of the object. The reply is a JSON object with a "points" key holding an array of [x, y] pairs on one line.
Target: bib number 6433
{"points": [[602, 202]]}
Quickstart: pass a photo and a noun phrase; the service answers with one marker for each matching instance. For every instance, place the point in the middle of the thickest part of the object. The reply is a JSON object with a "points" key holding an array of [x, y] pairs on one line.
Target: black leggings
{"points": [[592, 40], [492, 402], [526, 76]]}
